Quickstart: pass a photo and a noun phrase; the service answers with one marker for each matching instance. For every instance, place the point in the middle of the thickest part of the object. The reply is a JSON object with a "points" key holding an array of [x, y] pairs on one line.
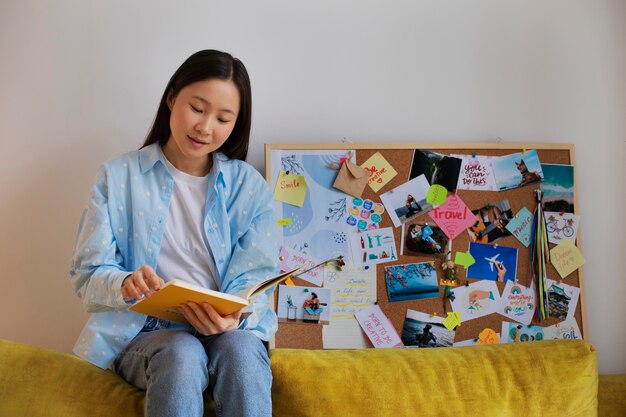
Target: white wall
{"points": [[80, 81]]}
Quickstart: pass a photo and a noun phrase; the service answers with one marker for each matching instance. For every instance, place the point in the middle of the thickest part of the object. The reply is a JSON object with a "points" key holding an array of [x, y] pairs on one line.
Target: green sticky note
{"points": [[437, 195], [453, 320], [464, 259]]}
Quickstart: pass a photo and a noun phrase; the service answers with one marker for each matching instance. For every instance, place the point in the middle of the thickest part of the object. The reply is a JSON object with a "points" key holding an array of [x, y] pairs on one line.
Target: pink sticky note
{"points": [[377, 327], [453, 216]]}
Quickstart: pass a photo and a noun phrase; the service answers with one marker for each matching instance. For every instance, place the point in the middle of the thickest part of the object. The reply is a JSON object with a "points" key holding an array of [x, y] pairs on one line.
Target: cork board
{"points": [[309, 336]]}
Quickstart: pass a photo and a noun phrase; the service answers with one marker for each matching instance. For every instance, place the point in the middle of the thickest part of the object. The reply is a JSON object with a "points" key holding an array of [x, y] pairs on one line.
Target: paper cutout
{"points": [[415, 281], [562, 300], [561, 226], [377, 327], [476, 173], [291, 258], [453, 216], [298, 295], [424, 331], [476, 300], [351, 179], [290, 189], [407, 201], [566, 257], [453, 320], [372, 247], [565, 330], [515, 333], [464, 259], [518, 302], [521, 225], [493, 262], [364, 214], [284, 222], [488, 337], [517, 170], [380, 171], [436, 195], [350, 290], [558, 188]]}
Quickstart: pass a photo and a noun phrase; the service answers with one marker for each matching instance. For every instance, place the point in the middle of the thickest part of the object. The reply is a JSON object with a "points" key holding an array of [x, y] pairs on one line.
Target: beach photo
{"points": [[414, 281], [558, 188], [407, 201], [517, 170], [421, 330]]}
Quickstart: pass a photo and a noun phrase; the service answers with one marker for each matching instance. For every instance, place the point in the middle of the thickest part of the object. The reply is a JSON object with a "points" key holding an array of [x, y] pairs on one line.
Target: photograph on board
{"points": [[438, 169], [517, 170], [424, 239], [491, 221], [414, 281], [407, 201], [558, 188], [423, 331]]}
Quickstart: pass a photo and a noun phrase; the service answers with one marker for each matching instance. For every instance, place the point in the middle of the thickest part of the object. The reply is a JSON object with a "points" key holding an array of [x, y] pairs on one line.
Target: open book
{"points": [[165, 302]]}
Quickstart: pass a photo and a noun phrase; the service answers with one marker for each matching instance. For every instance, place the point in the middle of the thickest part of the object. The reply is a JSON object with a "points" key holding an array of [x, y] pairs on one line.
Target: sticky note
{"points": [[566, 257], [453, 320], [436, 195], [488, 337], [284, 222], [521, 225], [290, 189], [464, 259], [380, 171]]}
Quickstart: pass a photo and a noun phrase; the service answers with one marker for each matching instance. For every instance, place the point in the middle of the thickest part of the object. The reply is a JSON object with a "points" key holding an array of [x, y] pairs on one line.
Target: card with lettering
{"points": [[490, 222], [380, 171], [292, 258], [377, 327], [517, 170], [303, 304], [424, 331], [372, 247], [493, 262], [290, 189], [518, 302], [453, 216], [558, 188], [407, 201], [438, 168], [476, 173], [515, 333], [562, 300], [561, 226], [411, 281], [520, 226], [478, 299], [567, 329], [566, 257]]}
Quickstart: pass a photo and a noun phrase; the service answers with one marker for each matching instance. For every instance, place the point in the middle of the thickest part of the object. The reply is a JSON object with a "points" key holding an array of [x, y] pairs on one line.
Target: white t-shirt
{"points": [[185, 253]]}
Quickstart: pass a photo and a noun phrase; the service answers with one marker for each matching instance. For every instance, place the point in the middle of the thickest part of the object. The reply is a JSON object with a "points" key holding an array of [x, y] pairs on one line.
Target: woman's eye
{"points": [[223, 120], [196, 109]]}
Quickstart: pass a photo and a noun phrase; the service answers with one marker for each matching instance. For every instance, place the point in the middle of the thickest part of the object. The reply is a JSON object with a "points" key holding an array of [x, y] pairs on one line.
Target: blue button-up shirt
{"points": [[122, 227]]}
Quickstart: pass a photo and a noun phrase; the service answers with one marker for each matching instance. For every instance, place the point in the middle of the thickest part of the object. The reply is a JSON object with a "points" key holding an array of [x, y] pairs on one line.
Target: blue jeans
{"points": [[175, 365]]}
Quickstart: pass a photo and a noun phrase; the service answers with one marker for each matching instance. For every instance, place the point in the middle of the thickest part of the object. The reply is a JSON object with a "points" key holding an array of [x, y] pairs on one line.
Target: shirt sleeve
{"points": [[96, 272]]}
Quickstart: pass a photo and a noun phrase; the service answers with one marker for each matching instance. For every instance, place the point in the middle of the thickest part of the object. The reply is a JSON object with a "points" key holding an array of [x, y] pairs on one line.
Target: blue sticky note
{"points": [[521, 225]]}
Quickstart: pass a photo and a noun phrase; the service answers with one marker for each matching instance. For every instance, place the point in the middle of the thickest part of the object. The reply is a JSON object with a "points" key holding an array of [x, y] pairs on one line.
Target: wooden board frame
{"points": [[309, 336]]}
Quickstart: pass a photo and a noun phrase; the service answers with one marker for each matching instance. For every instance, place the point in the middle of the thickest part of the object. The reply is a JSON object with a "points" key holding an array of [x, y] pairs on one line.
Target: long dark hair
{"points": [[204, 65]]}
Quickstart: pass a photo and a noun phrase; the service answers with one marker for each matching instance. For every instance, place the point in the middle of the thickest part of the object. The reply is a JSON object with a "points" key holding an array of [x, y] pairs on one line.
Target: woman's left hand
{"points": [[207, 321]]}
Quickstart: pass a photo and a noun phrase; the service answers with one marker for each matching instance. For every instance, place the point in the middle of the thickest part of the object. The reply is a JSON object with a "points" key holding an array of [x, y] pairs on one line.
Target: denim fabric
{"points": [[175, 366]]}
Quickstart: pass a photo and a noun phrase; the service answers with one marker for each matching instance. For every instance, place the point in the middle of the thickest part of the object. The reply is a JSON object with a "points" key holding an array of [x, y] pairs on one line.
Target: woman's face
{"points": [[203, 116]]}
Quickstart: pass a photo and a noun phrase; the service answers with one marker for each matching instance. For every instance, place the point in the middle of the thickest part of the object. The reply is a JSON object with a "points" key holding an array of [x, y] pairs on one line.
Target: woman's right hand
{"points": [[141, 283]]}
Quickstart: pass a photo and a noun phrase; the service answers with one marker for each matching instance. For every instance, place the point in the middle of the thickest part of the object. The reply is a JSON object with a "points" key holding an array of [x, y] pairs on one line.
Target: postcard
{"points": [[491, 222], [518, 302], [380, 171], [377, 327], [303, 304], [567, 329], [424, 239], [437, 168], [514, 332], [517, 170], [364, 214], [521, 225], [566, 257], [411, 281], [562, 300], [372, 247], [476, 173], [558, 188], [424, 331], [407, 201], [453, 216], [561, 226], [493, 262], [291, 258], [475, 300]]}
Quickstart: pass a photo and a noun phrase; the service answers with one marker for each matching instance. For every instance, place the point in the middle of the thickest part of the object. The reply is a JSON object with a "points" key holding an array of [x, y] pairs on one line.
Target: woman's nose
{"points": [[204, 126]]}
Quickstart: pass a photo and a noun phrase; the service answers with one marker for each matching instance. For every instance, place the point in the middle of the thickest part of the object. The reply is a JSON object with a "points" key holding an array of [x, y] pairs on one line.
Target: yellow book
{"points": [[165, 302]]}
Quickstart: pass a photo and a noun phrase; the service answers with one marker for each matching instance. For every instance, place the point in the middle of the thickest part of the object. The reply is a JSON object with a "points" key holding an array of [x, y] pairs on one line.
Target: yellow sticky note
{"points": [[380, 171], [289, 281], [437, 195], [488, 337], [566, 257], [453, 320], [284, 222], [290, 189], [464, 258]]}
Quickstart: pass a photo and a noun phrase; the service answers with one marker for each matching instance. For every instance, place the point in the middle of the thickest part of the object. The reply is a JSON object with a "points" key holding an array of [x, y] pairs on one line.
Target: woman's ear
{"points": [[170, 99]]}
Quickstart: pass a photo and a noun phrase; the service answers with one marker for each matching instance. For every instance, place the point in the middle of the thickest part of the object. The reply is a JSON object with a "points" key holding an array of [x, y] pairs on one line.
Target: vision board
{"points": [[488, 203]]}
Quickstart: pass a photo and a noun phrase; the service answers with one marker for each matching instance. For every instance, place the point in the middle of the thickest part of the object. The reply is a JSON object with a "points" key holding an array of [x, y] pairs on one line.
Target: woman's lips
{"points": [[196, 141]]}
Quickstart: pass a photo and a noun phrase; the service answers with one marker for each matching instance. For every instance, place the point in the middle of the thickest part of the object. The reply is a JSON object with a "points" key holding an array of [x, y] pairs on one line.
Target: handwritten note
{"points": [[518, 302], [380, 171], [290, 189], [350, 290], [521, 225], [453, 216], [566, 257], [476, 173], [567, 329], [291, 258], [377, 327], [436, 195]]}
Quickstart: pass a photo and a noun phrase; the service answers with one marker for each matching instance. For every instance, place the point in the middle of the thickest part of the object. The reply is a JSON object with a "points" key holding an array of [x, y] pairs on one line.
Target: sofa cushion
{"points": [[548, 378]]}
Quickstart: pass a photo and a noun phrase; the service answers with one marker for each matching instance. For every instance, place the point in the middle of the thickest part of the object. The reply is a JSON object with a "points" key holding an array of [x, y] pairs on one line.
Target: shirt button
{"points": [[154, 228], [215, 225]]}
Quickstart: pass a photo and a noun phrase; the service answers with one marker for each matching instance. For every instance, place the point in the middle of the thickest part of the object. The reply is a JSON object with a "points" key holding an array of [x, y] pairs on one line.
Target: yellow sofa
{"points": [[549, 378]]}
